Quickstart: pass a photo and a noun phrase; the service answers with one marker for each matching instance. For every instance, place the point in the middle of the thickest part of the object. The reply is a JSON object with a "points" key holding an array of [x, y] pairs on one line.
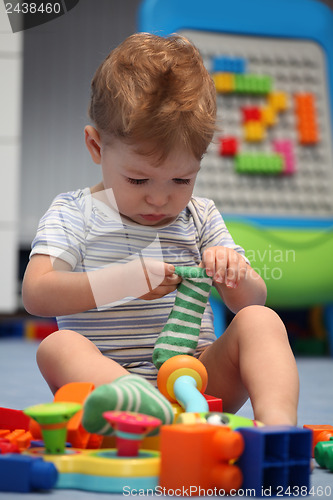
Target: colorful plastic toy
{"points": [[323, 454], [23, 473], [53, 418], [77, 392], [130, 429], [13, 419], [197, 456], [7, 447], [103, 470], [275, 459], [217, 418], [183, 379], [319, 433], [18, 438]]}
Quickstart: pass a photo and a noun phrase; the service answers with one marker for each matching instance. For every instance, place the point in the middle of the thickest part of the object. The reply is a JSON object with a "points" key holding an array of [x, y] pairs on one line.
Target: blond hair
{"points": [[155, 90]]}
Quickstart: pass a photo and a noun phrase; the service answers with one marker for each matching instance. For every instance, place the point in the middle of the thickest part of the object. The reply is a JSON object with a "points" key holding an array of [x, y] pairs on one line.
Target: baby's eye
{"points": [[136, 181], [182, 181]]}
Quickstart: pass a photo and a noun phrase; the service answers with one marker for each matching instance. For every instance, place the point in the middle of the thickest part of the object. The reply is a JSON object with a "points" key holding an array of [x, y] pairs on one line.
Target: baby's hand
{"points": [[224, 265], [160, 278]]}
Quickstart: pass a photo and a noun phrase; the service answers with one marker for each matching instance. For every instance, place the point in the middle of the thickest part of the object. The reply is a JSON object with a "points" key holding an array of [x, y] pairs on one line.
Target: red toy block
{"points": [[7, 447], [214, 404], [319, 433], [228, 146], [251, 113], [13, 419]]}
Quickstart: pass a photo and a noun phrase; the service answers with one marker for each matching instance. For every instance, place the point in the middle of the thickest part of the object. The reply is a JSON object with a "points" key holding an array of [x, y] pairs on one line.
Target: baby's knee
{"points": [[52, 345], [260, 318]]}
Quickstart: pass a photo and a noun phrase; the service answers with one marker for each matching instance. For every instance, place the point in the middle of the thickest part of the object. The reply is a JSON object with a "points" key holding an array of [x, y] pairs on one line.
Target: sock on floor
{"points": [[180, 334], [126, 393]]}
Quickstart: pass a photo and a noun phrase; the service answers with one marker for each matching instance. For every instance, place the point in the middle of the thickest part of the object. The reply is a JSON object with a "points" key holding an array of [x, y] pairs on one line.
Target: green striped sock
{"points": [[180, 335], [126, 393]]}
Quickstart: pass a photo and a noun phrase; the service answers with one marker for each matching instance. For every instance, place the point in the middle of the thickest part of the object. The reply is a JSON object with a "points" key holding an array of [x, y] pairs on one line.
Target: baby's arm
{"points": [[50, 288], [237, 283]]}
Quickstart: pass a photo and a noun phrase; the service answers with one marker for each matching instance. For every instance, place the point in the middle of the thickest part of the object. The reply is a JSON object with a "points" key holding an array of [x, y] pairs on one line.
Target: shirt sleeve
{"points": [[61, 230], [212, 229]]}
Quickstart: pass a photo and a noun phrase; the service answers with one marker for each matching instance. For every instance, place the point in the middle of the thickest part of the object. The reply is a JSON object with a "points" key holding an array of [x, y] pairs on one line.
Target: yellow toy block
{"points": [[268, 116], [278, 101], [224, 82], [254, 131]]}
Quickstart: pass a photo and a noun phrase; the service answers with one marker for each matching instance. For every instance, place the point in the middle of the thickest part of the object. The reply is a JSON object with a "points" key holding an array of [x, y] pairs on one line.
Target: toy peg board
{"points": [[270, 168], [260, 109]]}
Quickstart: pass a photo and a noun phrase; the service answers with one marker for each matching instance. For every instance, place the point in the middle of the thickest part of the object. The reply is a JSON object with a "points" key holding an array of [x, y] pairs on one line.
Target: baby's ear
{"points": [[93, 143]]}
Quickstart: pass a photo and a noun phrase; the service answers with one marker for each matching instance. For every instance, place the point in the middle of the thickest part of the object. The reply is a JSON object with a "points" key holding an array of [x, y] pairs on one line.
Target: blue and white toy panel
{"points": [[270, 169]]}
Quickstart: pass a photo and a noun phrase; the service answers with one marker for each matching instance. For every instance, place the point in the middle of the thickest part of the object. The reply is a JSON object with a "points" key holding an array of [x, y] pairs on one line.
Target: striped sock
{"points": [[180, 335], [126, 393]]}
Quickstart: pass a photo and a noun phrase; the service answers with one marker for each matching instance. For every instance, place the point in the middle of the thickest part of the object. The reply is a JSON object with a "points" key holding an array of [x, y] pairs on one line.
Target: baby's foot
{"points": [[126, 393]]}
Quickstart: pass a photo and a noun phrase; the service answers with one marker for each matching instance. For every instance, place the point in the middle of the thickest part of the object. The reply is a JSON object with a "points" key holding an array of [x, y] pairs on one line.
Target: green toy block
{"points": [[252, 84], [259, 163]]}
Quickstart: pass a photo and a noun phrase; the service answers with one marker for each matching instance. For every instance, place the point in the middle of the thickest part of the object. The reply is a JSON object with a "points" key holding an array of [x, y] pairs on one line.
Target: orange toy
{"points": [[176, 367], [195, 459], [319, 433]]}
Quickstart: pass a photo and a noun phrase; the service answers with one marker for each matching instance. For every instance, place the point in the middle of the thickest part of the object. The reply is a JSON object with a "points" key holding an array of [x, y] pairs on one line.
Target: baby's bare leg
{"points": [[253, 358], [66, 356]]}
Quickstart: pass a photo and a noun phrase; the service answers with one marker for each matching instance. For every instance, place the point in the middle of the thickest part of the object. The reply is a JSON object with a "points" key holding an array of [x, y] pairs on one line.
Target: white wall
{"points": [[60, 58], [10, 142]]}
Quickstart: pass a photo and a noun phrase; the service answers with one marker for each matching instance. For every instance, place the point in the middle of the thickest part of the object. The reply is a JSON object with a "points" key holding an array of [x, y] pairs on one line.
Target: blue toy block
{"points": [[227, 64], [12, 328], [23, 473], [276, 460]]}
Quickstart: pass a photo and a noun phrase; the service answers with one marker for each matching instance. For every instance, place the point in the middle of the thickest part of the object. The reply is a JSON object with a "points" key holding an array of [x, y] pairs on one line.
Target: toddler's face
{"points": [[145, 193]]}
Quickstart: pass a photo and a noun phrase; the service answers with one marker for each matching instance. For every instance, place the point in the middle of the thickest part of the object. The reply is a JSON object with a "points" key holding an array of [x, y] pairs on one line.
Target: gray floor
{"points": [[21, 385]]}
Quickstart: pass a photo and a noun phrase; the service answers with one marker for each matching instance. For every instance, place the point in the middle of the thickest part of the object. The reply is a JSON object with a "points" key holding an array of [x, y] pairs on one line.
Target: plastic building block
{"points": [[275, 458], [53, 418], [319, 433], [39, 330], [214, 404], [253, 84], [12, 328], [13, 419], [228, 146], [198, 456], [259, 163], [254, 131], [251, 113], [7, 447], [306, 118], [183, 379], [130, 429], [323, 454], [77, 392], [103, 471], [224, 82], [19, 438], [286, 149], [228, 64], [268, 116], [278, 101], [23, 473]]}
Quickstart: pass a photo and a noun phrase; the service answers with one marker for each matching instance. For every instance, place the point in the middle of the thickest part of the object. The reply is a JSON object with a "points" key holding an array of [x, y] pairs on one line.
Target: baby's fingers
{"points": [[232, 274], [208, 262]]}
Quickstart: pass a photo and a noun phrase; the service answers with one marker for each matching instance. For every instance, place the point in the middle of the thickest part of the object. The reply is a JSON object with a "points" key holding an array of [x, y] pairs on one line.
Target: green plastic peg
{"points": [[323, 454], [53, 418]]}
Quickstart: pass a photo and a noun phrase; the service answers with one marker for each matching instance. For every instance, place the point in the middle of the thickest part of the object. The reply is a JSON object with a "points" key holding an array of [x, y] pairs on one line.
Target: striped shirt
{"points": [[88, 233]]}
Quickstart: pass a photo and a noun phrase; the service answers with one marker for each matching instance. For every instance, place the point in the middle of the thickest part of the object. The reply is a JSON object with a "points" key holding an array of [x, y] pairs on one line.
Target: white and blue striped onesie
{"points": [[83, 230]]}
